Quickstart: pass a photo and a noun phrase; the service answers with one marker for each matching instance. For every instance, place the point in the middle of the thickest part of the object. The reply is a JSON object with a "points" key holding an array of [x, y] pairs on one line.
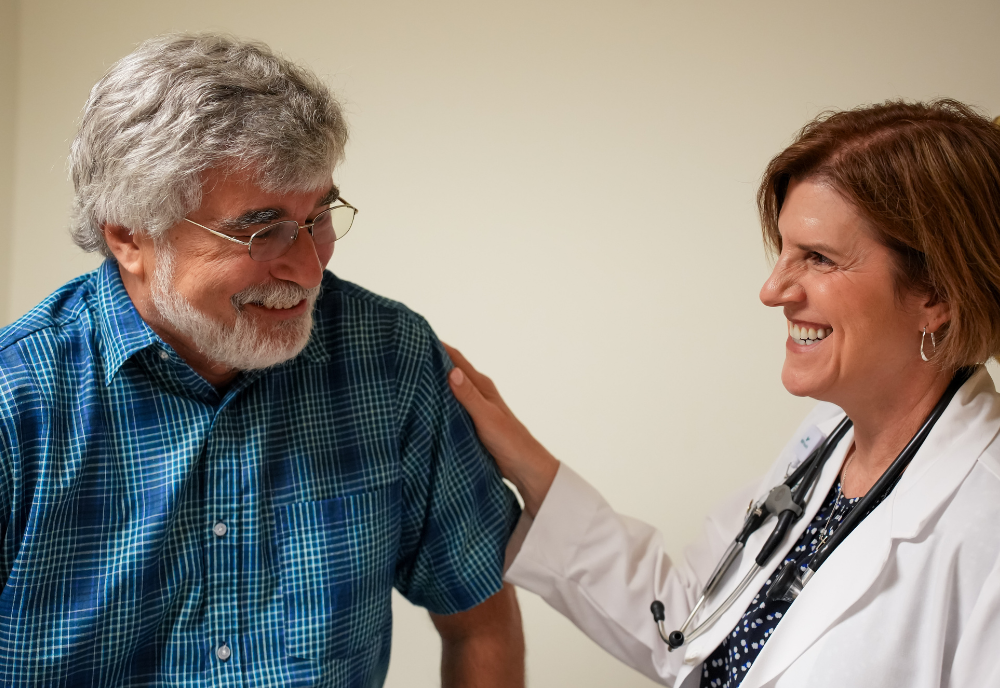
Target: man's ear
{"points": [[127, 248]]}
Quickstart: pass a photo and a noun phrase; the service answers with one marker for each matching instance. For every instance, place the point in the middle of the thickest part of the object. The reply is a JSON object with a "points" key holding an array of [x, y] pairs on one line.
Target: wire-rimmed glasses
{"points": [[274, 240]]}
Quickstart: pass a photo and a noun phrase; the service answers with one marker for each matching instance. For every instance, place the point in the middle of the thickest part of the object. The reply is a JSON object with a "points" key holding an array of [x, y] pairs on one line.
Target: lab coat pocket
{"points": [[337, 559]]}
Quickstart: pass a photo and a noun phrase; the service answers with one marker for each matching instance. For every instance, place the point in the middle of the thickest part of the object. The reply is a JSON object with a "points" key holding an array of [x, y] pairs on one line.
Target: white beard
{"points": [[245, 345]]}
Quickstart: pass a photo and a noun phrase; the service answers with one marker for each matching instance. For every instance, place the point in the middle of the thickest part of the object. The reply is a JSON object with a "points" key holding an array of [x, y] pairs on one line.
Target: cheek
{"points": [[211, 290], [208, 298], [325, 253]]}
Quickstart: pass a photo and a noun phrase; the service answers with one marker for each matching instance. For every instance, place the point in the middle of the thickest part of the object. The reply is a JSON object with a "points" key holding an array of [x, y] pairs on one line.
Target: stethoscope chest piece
{"points": [[788, 584]]}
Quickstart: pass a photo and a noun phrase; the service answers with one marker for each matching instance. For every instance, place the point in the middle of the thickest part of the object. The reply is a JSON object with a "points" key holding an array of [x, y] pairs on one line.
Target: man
{"points": [[217, 459]]}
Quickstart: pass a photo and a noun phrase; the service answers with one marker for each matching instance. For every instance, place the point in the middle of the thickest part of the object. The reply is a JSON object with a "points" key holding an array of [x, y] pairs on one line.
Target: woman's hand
{"points": [[522, 460]]}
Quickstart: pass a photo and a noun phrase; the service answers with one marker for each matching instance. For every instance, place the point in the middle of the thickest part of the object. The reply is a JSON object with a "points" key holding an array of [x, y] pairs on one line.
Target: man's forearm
{"points": [[484, 646]]}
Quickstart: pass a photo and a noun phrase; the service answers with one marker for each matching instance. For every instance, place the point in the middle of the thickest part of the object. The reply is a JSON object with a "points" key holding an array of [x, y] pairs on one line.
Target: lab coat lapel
{"points": [[700, 648], [839, 584], [965, 429]]}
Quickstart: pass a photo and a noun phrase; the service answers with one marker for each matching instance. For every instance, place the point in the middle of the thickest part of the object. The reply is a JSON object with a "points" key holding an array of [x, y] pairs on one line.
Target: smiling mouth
{"points": [[807, 336], [275, 307]]}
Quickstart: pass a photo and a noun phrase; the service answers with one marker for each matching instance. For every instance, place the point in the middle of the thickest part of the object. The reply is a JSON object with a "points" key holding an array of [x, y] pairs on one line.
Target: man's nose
{"points": [[302, 263]]}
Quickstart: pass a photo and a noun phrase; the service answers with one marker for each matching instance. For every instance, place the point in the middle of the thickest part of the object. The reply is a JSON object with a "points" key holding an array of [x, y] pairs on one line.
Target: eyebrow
{"points": [[331, 196], [249, 219], [261, 216], [819, 247]]}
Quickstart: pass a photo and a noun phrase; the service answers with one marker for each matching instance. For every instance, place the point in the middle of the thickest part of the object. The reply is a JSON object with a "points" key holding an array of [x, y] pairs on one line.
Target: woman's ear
{"points": [[128, 248], [936, 313]]}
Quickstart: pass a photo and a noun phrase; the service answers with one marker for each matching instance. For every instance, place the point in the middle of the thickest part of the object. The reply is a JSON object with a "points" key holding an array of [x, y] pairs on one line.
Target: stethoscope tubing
{"points": [[888, 480], [798, 486], [800, 482]]}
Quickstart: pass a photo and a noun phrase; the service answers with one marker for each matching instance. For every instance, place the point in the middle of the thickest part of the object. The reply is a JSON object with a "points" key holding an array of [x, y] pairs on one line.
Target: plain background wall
{"points": [[565, 189], [8, 87]]}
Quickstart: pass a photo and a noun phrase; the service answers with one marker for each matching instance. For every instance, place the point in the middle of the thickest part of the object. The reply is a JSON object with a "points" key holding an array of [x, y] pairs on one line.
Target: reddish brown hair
{"points": [[926, 177]]}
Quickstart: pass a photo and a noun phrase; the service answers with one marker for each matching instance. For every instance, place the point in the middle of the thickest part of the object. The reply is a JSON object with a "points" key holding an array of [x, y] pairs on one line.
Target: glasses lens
{"points": [[332, 224], [273, 242], [323, 232]]}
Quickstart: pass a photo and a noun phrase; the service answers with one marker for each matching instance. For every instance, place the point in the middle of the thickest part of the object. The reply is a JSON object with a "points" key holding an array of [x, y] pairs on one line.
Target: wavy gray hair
{"points": [[181, 104]]}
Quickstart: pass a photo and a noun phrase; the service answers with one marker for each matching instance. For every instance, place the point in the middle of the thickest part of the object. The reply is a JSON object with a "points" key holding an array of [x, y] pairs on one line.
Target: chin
{"points": [[799, 383], [253, 347]]}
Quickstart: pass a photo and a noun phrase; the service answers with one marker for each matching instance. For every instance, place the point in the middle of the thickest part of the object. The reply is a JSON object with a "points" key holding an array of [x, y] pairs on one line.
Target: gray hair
{"points": [[181, 104]]}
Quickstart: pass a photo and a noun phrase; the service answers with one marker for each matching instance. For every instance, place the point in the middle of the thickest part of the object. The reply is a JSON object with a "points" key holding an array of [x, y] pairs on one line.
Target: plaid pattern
{"points": [[338, 475]]}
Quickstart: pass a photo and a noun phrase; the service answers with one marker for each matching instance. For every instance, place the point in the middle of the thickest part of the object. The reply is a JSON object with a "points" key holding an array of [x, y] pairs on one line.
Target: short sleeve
{"points": [[456, 514]]}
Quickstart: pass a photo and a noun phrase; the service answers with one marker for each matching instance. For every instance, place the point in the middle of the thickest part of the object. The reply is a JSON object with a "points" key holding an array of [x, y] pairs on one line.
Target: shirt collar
{"points": [[125, 332]]}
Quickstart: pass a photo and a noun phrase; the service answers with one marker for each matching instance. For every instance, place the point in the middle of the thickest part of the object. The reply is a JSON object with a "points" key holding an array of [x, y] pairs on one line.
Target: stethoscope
{"points": [[787, 502]]}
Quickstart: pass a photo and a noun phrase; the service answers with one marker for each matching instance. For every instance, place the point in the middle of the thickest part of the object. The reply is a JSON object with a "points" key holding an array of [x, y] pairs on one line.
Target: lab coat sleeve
{"points": [[602, 570]]}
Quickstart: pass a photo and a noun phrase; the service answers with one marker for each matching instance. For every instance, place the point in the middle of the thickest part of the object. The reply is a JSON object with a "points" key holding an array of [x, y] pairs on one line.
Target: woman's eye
{"points": [[819, 259]]}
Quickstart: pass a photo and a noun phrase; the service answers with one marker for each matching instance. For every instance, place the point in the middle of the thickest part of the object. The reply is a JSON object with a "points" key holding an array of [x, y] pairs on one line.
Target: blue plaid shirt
{"points": [[158, 532]]}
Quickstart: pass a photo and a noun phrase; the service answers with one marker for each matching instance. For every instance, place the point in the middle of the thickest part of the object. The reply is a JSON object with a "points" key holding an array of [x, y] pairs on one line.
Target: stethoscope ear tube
{"points": [[785, 519], [676, 639], [785, 500], [790, 506]]}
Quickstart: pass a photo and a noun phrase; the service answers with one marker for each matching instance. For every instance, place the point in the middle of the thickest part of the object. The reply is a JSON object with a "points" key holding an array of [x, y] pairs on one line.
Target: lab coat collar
{"points": [[965, 430]]}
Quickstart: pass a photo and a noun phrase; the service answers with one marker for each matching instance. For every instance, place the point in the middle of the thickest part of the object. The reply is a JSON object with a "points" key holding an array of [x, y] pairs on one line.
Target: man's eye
{"points": [[250, 230]]}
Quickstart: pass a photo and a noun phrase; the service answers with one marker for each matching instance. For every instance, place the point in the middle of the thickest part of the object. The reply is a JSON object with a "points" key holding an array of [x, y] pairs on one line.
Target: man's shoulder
{"points": [[355, 306], [355, 326], [350, 292], [62, 316]]}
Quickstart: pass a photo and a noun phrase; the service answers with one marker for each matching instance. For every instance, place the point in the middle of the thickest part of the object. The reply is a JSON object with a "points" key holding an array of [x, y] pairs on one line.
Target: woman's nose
{"points": [[780, 287]]}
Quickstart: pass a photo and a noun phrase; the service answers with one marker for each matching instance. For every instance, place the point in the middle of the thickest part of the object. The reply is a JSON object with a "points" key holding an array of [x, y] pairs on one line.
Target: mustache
{"points": [[274, 295]]}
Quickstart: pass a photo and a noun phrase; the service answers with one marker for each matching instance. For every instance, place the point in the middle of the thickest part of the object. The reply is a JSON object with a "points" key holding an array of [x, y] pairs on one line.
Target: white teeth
{"points": [[807, 336]]}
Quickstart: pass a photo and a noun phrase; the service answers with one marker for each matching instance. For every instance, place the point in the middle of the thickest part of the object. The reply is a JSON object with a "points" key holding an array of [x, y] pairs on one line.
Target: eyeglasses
{"points": [[274, 240]]}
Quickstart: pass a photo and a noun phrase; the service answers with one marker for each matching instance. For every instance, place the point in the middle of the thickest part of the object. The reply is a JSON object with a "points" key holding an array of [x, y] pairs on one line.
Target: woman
{"points": [[886, 225]]}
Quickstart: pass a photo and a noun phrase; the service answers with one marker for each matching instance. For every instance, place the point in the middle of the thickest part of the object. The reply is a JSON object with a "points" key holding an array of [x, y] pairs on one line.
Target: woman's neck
{"points": [[883, 425]]}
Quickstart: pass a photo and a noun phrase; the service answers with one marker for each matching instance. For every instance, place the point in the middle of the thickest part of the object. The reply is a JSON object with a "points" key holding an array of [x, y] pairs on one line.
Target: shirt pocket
{"points": [[337, 559]]}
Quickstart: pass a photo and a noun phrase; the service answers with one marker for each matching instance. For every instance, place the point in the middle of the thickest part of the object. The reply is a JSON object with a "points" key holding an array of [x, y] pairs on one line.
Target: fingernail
{"points": [[457, 376]]}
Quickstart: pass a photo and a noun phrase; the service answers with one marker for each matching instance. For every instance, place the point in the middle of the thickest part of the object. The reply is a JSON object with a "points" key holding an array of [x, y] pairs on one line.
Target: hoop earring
{"points": [[933, 344]]}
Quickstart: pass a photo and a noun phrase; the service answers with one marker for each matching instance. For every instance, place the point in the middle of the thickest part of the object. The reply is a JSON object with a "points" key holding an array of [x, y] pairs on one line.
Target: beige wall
{"points": [[8, 88], [565, 189]]}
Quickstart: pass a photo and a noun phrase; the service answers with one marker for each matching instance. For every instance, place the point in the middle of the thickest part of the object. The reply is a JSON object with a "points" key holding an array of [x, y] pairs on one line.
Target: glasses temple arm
{"points": [[219, 234]]}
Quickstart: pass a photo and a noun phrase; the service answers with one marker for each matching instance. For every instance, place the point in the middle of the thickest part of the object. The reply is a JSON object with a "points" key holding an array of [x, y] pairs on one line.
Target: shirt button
{"points": [[220, 529], [223, 652], [164, 355]]}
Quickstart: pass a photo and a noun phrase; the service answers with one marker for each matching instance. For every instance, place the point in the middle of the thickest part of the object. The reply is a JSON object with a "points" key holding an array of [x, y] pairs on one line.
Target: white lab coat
{"points": [[911, 598]]}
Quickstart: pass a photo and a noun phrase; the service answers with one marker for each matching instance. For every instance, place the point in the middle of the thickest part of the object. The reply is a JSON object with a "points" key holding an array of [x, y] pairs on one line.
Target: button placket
{"points": [[222, 506]]}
